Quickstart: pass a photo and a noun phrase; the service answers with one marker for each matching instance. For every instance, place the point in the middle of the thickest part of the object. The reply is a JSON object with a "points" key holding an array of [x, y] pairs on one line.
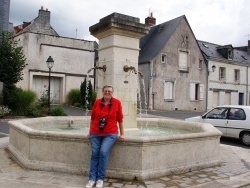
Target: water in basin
{"points": [[84, 128]]}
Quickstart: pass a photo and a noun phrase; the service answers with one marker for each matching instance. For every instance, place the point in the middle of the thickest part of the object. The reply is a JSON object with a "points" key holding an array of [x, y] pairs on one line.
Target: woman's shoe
{"points": [[99, 183], [90, 184]]}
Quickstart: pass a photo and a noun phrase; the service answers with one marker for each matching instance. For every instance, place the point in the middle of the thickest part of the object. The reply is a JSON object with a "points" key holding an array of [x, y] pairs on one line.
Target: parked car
{"points": [[231, 120]]}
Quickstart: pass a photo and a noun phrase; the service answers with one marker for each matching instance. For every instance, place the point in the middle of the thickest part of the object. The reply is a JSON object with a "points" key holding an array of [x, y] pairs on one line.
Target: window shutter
{"points": [[192, 91], [201, 91], [168, 90], [183, 59]]}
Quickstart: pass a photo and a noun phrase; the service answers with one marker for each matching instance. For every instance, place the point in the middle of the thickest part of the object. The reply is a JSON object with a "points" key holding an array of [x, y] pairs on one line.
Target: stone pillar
{"points": [[119, 36]]}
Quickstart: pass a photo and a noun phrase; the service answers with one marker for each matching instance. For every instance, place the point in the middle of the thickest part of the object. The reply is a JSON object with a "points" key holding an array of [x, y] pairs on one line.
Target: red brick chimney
{"points": [[150, 20]]}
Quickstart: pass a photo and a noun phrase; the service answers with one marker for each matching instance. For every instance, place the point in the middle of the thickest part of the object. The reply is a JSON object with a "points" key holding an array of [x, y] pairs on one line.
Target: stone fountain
{"points": [[138, 157]]}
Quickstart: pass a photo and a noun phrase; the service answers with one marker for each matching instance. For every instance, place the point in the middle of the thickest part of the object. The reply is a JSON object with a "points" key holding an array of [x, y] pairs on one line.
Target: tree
{"points": [[12, 59], [12, 63]]}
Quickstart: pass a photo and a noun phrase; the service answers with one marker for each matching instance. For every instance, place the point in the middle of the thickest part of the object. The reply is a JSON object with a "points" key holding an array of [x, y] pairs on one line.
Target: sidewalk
{"points": [[234, 172]]}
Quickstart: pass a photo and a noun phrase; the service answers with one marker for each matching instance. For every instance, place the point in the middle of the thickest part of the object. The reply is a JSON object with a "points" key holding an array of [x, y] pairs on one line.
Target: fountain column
{"points": [[119, 36]]}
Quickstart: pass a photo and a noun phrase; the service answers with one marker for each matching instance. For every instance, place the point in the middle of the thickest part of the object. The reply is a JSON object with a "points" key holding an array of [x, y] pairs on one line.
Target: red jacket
{"points": [[112, 112]]}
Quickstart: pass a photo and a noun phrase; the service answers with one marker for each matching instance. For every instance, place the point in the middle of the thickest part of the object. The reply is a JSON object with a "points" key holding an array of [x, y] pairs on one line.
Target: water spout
{"points": [[140, 74], [70, 123], [127, 68], [100, 68]]}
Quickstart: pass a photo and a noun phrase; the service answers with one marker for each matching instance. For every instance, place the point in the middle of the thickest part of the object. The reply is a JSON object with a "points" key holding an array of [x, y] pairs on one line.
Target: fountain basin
{"points": [[136, 158]]}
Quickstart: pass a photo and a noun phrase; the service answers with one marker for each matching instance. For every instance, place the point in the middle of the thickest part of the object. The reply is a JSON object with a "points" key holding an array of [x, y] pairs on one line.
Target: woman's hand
{"points": [[121, 138]]}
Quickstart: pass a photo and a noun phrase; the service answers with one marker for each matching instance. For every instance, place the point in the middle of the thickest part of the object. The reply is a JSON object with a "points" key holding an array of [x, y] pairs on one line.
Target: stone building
{"points": [[229, 74], [173, 67], [4, 14], [72, 58]]}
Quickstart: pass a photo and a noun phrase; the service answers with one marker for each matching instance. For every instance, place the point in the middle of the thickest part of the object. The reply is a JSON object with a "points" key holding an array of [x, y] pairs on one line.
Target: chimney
{"points": [[44, 17], [248, 47], [150, 20]]}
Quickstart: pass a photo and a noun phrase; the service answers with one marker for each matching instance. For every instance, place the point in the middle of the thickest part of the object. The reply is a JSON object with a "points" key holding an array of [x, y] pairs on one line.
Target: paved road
{"points": [[4, 128], [175, 114]]}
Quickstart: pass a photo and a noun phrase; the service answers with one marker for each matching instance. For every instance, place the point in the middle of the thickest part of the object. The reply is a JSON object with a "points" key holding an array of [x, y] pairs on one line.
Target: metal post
{"points": [[50, 63], [49, 93]]}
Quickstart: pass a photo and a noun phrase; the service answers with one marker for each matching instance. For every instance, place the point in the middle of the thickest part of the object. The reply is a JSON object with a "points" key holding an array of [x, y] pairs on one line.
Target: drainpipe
{"points": [[207, 84], [247, 87], [150, 88], [95, 60]]}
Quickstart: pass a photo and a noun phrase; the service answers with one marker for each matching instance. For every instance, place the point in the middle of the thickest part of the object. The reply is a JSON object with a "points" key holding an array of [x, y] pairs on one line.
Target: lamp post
{"points": [[50, 63], [213, 69]]}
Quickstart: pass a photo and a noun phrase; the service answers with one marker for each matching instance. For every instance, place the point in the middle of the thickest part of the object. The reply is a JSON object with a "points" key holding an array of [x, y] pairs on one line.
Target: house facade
{"points": [[228, 80], [173, 67], [72, 58]]}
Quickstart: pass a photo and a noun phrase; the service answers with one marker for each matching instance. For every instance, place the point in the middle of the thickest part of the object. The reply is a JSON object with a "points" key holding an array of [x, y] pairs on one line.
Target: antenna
{"points": [[76, 33]]}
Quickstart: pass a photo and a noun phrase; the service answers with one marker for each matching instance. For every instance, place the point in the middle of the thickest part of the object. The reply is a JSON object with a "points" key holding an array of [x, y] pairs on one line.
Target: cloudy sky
{"points": [[217, 21]]}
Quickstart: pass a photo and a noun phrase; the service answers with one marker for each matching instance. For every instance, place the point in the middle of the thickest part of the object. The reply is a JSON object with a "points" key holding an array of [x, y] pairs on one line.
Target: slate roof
{"points": [[210, 51], [152, 43]]}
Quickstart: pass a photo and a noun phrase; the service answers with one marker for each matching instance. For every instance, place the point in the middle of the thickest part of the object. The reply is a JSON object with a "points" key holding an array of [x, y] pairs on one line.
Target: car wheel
{"points": [[245, 138]]}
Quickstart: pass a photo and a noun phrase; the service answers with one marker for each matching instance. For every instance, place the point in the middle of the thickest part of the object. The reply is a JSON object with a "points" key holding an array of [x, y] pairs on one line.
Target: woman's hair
{"points": [[106, 86]]}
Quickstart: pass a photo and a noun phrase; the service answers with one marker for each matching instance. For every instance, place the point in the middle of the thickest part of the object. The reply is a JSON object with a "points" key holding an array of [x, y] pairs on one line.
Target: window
{"points": [[183, 61], [196, 91], [237, 114], [222, 73], [168, 90], [200, 64], [236, 75], [230, 54], [163, 58], [217, 113]]}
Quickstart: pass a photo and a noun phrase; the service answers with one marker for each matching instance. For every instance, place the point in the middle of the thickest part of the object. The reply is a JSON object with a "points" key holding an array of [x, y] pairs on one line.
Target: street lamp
{"points": [[50, 63], [213, 69]]}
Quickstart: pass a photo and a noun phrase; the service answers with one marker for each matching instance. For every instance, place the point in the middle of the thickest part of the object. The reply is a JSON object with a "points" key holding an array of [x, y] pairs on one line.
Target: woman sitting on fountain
{"points": [[103, 133]]}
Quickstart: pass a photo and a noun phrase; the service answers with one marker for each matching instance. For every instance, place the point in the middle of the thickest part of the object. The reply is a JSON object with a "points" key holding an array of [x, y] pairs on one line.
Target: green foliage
{"points": [[57, 111], [9, 95], [17, 99], [74, 97], [12, 59], [36, 110], [23, 101], [44, 99], [83, 92], [4, 111]]}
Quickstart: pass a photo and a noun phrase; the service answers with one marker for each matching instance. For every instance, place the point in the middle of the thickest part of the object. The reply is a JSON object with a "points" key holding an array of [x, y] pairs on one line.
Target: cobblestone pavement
{"points": [[234, 171]]}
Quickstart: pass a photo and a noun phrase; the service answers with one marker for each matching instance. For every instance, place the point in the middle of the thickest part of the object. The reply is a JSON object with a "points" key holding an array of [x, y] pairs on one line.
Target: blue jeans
{"points": [[101, 147]]}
